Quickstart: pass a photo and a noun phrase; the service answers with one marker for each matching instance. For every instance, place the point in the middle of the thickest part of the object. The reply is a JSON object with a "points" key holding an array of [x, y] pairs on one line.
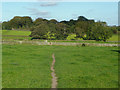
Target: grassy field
{"points": [[113, 38], [28, 66], [15, 38], [15, 35], [15, 32], [86, 67]]}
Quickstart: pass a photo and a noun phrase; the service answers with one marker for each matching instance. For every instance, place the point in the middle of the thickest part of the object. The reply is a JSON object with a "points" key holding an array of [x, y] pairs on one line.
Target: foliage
{"points": [[115, 29], [82, 18], [52, 29], [71, 37], [6, 25], [81, 28], [40, 31], [18, 23], [99, 32], [50, 36], [61, 31]]}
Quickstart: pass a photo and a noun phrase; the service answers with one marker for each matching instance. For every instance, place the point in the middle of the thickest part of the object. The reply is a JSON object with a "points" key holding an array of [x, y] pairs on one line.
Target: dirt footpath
{"points": [[54, 78]]}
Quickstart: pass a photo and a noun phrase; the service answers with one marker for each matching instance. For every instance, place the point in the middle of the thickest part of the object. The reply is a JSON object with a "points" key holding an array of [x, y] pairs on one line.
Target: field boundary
{"points": [[59, 43]]}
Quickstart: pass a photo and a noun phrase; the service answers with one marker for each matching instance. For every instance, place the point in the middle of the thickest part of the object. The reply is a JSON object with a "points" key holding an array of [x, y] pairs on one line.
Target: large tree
{"points": [[6, 26], [40, 31], [98, 31], [81, 28], [82, 18], [52, 29], [61, 31], [18, 23]]}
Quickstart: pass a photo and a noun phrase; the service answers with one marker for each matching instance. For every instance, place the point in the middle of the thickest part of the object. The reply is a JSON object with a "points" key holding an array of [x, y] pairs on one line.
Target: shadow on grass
{"points": [[116, 51]]}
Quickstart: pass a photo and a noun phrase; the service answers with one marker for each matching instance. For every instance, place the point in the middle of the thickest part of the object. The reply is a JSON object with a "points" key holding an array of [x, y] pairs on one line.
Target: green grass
{"points": [[113, 38], [28, 66], [15, 35], [0, 32], [86, 67], [15, 32], [16, 38]]}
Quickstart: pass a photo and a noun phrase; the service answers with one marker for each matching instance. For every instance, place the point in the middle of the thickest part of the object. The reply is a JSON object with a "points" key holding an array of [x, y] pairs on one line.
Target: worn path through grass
{"points": [[54, 78], [28, 66]]}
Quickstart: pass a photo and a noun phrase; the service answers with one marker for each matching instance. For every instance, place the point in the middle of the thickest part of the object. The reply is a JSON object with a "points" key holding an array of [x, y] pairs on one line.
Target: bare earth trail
{"points": [[54, 78]]}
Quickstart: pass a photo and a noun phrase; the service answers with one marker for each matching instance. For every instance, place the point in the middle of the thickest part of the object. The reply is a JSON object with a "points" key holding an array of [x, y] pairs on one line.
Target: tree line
{"points": [[82, 28]]}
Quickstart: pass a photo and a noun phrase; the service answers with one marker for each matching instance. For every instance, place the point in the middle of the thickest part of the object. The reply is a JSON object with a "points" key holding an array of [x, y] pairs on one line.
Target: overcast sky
{"points": [[103, 11]]}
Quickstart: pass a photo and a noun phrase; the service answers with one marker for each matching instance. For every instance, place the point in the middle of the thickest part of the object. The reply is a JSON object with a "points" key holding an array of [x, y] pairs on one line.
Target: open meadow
{"points": [[15, 35], [28, 66], [60, 45], [114, 38], [15, 32], [87, 67]]}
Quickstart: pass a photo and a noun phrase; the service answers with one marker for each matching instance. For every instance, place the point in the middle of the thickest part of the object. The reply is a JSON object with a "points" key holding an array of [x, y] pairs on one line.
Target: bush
{"points": [[83, 45]]}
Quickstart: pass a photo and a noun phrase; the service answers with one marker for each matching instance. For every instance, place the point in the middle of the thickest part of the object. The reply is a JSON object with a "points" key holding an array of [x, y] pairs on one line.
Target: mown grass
{"points": [[28, 66]]}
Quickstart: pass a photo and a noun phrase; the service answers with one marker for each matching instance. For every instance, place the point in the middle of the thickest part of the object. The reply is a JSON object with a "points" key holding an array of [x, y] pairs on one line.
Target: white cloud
{"points": [[38, 13], [48, 4]]}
